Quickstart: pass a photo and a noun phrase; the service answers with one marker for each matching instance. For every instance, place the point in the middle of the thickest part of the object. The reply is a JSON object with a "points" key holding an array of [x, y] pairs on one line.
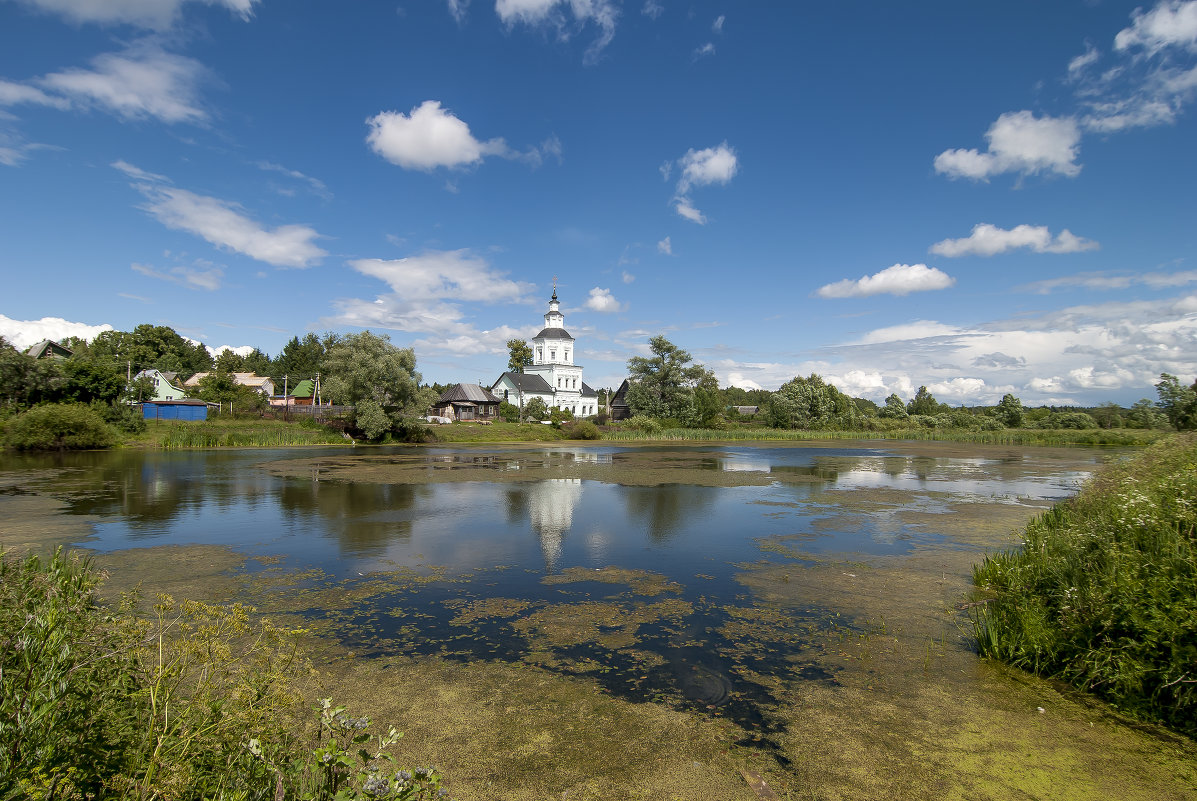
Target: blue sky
{"points": [[981, 198]]}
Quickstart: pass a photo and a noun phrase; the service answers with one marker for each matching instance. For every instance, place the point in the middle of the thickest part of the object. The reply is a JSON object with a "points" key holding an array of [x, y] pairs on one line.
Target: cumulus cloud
{"points": [[562, 16], [201, 275], [153, 14], [627, 277], [665, 246], [712, 165], [1080, 354], [22, 334], [601, 300], [989, 240], [900, 279], [431, 136], [224, 224], [1019, 142]]}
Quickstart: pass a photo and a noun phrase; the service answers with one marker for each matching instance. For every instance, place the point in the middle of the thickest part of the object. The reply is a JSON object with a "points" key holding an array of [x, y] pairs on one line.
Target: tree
{"points": [[24, 380], [1144, 414], [369, 373], [663, 384], [88, 380], [812, 403], [1177, 402], [301, 358], [536, 408], [521, 355], [151, 346], [1009, 411], [923, 402], [221, 387], [894, 408]]}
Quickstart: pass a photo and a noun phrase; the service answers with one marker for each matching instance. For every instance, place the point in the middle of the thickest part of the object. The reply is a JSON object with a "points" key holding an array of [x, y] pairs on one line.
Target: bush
{"points": [[509, 412], [122, 416], [582, 430], [59, 426], [1101, 595], [643, 424]]}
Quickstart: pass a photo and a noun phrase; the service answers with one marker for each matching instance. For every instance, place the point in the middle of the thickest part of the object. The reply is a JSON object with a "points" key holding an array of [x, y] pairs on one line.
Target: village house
{"points": [[49, 349], [165, 386], [261, 383], [467, 402]]}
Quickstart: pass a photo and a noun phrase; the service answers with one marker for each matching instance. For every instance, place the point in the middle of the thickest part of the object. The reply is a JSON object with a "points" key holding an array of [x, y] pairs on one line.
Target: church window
{"points": [[552, 355]]}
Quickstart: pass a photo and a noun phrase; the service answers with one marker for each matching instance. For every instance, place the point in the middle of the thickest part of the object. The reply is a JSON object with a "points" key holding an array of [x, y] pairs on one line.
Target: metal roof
{"points": [[467, 392], [526, 382], [553, 333]]}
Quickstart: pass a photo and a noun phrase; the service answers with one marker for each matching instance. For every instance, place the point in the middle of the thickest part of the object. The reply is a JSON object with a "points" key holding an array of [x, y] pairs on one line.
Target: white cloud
{"points": [[601, 300], [717, 25], [444, 274], [154, 14], [900, 279], [431, 137], [906, 332], [1109, 281], [1021, 143], [428, 138], [22, 334], [1170, 23], [224, 224], [316, 186], [665, 246], [707, 49], [12, 94], [1081, 62], [712, 165], [201, 275], [652, 9], [240, 350], [551, 14], [989, 240], [458, 8], [627, 277], [143, 81]]}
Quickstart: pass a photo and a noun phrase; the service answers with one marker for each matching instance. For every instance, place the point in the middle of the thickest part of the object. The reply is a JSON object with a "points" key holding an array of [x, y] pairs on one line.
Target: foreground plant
{"points": [[198, 701], [1103, 593]]}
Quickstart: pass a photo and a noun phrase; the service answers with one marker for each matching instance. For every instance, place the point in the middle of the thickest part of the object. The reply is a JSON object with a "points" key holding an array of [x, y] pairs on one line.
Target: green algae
{"points": [[904, 709]]}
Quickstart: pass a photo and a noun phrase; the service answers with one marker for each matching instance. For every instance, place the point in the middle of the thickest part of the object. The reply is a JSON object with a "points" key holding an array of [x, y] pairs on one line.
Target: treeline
{"points": [[85, 400]]}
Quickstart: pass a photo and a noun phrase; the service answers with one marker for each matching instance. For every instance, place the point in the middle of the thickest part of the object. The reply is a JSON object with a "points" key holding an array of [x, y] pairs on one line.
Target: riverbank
{"points": [[1103, 592]]}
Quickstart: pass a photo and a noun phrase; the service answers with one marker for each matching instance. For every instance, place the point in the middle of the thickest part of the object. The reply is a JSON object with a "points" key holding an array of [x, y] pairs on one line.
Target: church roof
{"points": [[587, 392], [526, 382], [553, 333]]}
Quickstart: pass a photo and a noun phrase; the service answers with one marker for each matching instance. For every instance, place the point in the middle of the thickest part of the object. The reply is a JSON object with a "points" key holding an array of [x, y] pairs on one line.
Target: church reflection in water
{"points": [[551, 505]]}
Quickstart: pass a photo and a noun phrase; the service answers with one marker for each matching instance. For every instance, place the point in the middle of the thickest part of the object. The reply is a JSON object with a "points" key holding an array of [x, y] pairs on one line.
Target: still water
{"points": [[624, 564]]}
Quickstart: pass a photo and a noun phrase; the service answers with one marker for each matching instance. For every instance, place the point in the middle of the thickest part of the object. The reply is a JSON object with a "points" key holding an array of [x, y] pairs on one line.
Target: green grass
{"points": [[1013, 436], [232, 433], [496, 432], [1103, 593]]}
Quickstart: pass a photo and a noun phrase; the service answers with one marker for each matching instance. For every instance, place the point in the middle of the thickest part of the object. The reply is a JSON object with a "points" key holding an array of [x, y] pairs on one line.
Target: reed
{"points": [[1103, 592], [232, 433], [1021, 436]]}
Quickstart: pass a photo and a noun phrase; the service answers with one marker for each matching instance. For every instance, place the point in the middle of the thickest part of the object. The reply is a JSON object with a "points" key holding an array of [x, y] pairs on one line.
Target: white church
{"points": [[553, 376]]}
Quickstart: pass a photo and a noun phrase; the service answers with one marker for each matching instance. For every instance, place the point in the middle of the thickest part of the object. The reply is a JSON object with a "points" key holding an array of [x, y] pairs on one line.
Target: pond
{"points": [[724, 584]]}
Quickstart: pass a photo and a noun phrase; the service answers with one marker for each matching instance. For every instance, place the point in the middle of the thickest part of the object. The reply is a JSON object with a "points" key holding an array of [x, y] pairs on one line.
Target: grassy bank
{"points": [[1012, 436], [1103, 594], [233, 433], [496, 432]]}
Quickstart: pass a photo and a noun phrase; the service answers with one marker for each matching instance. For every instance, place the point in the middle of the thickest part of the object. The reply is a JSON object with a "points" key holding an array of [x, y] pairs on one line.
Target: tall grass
{"points": [[1103, 593], [232, 433], [1014, 436], [195, 701]]}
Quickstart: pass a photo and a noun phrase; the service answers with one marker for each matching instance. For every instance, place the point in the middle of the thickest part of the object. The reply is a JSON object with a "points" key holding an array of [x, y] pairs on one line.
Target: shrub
{"points": [[583, 430], [1101, 595], [59, 426], [643, 424]]}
